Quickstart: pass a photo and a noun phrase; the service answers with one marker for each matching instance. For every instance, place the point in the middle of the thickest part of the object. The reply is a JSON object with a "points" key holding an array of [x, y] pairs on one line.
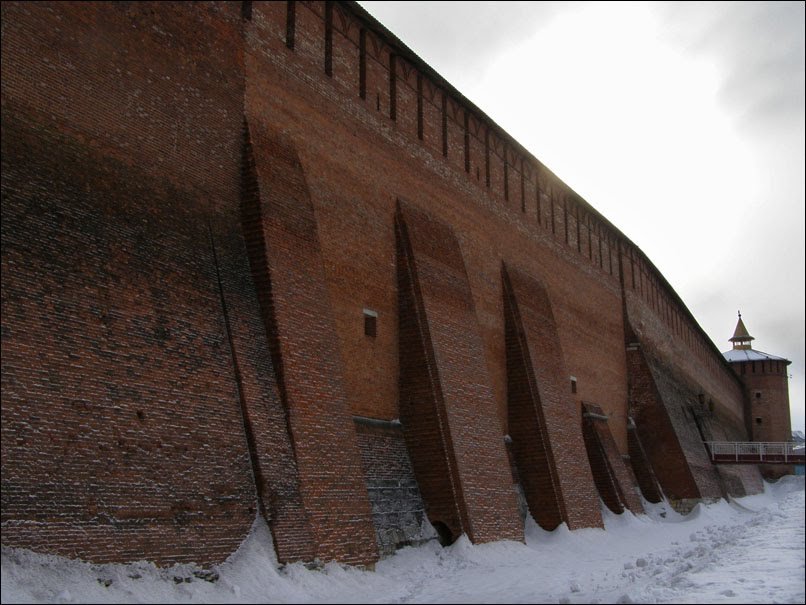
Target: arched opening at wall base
{"points": [[603, 473], [444, 534]]}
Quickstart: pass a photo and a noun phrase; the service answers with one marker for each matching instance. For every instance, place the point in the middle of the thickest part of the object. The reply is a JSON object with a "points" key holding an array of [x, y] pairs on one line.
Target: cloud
{"points": [[462, 40], [759, 49]]}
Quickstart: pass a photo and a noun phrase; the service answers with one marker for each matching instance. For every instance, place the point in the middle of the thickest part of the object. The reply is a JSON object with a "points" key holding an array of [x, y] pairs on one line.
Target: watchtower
{"points": [[766, 382]]}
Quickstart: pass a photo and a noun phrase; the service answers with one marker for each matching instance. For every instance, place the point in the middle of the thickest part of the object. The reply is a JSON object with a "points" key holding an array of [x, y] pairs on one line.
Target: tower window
{"points": [[758, 394], [573, 384], [370, 323], [758, 420]]}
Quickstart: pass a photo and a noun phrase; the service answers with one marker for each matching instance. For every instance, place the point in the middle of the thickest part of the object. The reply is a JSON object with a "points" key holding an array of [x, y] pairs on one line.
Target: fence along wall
{"points": [[366, 124]]}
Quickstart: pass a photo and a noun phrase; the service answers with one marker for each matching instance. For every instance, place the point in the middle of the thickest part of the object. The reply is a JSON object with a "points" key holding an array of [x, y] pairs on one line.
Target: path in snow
{"points": [[761, 560]]}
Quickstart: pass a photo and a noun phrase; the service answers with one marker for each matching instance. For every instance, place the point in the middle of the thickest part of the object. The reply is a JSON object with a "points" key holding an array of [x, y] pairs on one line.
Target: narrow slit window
{"points": [[370, 323], [523, 188], [487, 158], [539, 210], [290, 23], [467, 145], [420, 106], [506, 174], [393, 87], [362, 63], [329, 39], [444, 125], [573, 384]]}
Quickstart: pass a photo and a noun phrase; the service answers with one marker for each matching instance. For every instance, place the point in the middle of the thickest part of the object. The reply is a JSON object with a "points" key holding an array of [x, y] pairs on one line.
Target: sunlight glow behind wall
{"points": [[683, 124], [617, 103]]}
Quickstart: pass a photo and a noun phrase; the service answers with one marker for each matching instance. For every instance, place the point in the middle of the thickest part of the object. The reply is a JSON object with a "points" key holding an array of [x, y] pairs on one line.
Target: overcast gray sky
{"points": [[682, 123]]}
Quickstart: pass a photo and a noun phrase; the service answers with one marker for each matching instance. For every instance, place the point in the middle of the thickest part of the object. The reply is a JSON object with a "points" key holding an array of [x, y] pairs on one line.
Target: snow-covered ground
{"points": [[747, 551]]}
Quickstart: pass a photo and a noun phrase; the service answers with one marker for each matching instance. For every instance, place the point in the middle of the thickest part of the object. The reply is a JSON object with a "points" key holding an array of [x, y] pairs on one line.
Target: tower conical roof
{"points": [[741, 337], [742, 351]]}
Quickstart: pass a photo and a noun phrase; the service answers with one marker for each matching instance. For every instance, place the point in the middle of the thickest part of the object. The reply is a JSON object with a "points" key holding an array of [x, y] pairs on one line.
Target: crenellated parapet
{"points": [[404, 98]]}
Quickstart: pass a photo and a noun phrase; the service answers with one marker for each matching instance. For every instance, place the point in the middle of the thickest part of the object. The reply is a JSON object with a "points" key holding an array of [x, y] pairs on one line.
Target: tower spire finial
{"points": [[741, 338]]}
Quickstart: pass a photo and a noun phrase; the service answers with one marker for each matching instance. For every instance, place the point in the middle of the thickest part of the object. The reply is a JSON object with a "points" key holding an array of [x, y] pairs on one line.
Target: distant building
{"points": [[766, 382]]}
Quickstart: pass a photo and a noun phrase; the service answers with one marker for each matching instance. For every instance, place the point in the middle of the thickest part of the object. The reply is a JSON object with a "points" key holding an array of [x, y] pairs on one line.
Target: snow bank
{"points": [[744, 551]]}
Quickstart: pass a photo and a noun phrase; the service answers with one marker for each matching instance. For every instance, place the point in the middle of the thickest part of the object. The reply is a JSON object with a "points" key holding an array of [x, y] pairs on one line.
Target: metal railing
{"points": [[756, 452]]}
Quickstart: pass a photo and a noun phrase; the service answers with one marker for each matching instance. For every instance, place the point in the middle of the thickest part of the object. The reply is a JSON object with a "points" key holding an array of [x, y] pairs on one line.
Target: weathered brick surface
{"points": [[656, 432], [614, 479], [642, 468], [767, 389], [532, 459], [122, 432], [550, 390], [423, 414], [603, 477], [398, 512], [307, 356], [660, 326], [265, 418], [766, 384], [121, 425], [700, 393], [450, 382], [153, 312], [674, 418]]}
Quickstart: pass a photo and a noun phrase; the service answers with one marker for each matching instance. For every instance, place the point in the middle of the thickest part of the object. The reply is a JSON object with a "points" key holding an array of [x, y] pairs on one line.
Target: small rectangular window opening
{"points": [[370, 323], [246, 11], [573, 384], [290, 26], [758, 420]]}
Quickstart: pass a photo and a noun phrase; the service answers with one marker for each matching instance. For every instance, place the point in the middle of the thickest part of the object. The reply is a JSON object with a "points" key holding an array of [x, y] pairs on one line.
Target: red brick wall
{"points": [[767, 391], [693, 384], [122, 428], [462, 427], [679, 401], [308, 359], [739, 479], [422, 410], [529, 446], [665, 327], [603, 476], [642, 468], [656, 432], [355, 174], [398, 513], [614, 476], [291, 528], [551, 391], [132, 326], [767, 386]]}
